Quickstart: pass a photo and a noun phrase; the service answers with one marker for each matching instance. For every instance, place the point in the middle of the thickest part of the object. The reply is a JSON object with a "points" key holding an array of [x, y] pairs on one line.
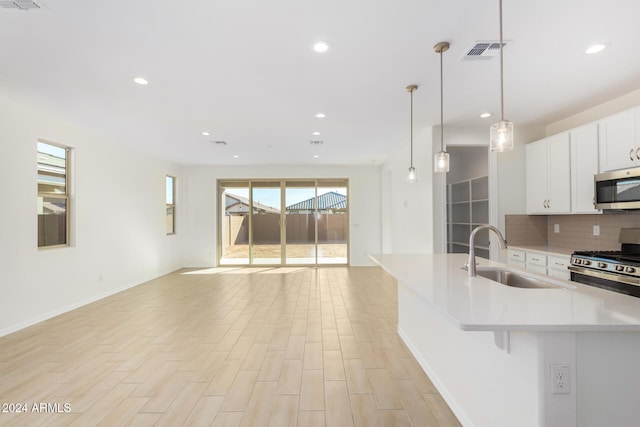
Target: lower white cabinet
{"points": [[549, 263], [557, 266]]}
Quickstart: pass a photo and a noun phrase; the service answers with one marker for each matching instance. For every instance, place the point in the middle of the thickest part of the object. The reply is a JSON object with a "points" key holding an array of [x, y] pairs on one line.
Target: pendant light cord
{"points": [[441, 107], [501, 68], [412, 128]]}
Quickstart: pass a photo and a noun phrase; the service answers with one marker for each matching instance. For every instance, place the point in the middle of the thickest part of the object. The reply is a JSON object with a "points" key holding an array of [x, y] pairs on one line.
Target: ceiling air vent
{"points": [[220, 142], [316, 142], [19, 4], [483, 50]]}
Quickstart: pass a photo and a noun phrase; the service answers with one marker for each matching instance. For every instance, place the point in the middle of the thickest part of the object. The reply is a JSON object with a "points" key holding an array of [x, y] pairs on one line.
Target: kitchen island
{"points": [[491, 349]]}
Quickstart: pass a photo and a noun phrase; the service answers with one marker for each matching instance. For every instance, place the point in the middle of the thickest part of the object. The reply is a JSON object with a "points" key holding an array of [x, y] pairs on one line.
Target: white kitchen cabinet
{"points": [[584, 165], [557, 266], [536, 262], [540, 262], [516, 257], [548, 175], [620, 140]]}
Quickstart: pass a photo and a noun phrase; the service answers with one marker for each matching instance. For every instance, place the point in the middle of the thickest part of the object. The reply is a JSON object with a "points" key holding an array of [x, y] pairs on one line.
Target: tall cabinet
{"points": [[468, 207]]}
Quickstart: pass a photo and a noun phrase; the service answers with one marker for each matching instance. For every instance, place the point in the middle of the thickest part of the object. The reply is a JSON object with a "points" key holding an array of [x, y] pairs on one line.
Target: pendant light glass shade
{"points": [[441, 158], [413, 177], [441, 162], [501, 133], [501, 136]]}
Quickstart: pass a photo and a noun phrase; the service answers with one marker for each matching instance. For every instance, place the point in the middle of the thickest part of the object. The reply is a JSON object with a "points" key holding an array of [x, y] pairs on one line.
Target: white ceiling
{"points": [[245, 70]]}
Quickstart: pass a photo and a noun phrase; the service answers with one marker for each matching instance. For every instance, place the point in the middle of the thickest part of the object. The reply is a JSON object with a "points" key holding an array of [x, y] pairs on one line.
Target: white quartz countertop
{"points": [[480, 304]]}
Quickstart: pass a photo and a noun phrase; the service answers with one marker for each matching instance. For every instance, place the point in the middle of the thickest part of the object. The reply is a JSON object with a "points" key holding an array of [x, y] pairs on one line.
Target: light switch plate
{"points": [[556, 228], [596, 230]]}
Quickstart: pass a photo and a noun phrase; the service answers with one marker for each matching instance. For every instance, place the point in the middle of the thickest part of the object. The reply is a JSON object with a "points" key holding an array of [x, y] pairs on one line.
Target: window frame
{"points": [[66, 196], [171, 206]]}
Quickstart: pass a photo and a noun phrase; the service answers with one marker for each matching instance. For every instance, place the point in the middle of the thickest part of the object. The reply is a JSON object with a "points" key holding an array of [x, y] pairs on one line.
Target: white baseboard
{"points": [[51, 314]]}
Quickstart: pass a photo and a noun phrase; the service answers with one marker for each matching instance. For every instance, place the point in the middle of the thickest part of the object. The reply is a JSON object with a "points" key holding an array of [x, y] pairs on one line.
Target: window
{"points": [[53, 195], [171, 204]]}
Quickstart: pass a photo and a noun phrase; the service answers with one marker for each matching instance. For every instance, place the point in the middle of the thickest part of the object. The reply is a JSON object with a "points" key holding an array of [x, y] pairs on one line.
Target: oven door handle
{"points": [[607, 276]]}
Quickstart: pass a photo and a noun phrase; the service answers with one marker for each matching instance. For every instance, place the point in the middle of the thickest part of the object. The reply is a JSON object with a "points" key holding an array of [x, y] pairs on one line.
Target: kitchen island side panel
{"points": [[483, 385]]}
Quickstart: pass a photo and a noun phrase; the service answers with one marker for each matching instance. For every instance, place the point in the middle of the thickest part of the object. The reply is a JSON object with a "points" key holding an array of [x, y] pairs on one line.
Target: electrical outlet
{"points": [[596, 230], [556, 228], [560, 380]]}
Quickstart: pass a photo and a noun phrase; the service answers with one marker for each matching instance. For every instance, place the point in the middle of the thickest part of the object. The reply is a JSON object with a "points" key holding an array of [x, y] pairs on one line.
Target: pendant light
{"points": [[413, 178], [501, 134], [441, 159]]}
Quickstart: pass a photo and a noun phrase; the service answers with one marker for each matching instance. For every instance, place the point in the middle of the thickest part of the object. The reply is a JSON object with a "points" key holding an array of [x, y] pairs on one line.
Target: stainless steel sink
{"points": [[516, 280]]}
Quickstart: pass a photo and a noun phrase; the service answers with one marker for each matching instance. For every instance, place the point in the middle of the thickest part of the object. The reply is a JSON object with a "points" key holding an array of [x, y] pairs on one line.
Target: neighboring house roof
{"points": [[50, 207], [330, 200], [239, 204]]}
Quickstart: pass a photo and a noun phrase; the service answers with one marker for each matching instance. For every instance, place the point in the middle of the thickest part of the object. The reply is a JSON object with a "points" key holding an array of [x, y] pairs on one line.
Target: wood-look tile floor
{"points": [[224, 347]]}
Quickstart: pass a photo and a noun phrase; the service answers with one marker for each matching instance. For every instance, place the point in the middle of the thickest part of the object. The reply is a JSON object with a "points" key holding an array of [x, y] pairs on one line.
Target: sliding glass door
{"points": [[283, 222], [332, 222], [266, 223], [300, 222], [233, 223]]}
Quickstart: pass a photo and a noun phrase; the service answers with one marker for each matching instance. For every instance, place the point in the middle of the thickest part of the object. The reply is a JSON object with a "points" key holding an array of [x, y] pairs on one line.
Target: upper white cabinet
{"points": [[584, 165], [548, 175], [620, 140]]}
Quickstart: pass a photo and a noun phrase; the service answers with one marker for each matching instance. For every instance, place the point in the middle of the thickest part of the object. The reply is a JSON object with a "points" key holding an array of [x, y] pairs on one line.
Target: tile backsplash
{"points": [[575, 231]]}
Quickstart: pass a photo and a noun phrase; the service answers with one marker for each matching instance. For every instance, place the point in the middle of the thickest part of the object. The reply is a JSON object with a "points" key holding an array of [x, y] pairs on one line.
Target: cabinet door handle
{"points": [[637, 156], [549, 203], [631, 154]]}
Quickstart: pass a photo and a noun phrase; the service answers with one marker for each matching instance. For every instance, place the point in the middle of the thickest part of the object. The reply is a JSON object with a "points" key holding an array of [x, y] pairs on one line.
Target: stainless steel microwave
{"points": [[618, 189]]}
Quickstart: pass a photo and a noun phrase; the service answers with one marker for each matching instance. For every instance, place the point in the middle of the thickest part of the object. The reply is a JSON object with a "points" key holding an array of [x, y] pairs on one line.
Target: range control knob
{"points": [[619, 268], [577, 261], [630, 270], [586, 262], [602, 265]]}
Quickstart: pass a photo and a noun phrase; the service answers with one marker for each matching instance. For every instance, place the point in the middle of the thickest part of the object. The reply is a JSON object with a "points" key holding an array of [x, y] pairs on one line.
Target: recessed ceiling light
{"points": [[205, 133], [316, 133], [595, 48], [321, 46], [321, 115], [315, 156], [485, 115], [235, 156], [141, 81]]}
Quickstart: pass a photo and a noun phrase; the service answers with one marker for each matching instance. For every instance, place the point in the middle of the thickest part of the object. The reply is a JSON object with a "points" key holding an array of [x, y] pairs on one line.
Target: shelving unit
{"points": [[468, 207]]}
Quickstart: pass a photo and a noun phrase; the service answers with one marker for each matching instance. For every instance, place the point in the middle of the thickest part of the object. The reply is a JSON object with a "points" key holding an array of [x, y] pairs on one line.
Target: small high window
{"points": [[53, 195], [171, 204]]}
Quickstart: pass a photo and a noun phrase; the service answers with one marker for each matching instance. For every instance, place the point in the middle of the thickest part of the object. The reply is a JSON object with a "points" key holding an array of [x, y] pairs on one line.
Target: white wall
{"points": [[118, 228], [408, 213], [616, 105], [200, 233]]}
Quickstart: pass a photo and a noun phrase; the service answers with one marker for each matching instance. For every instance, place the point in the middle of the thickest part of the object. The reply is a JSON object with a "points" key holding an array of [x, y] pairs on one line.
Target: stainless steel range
{"points": [[617, 271]]}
